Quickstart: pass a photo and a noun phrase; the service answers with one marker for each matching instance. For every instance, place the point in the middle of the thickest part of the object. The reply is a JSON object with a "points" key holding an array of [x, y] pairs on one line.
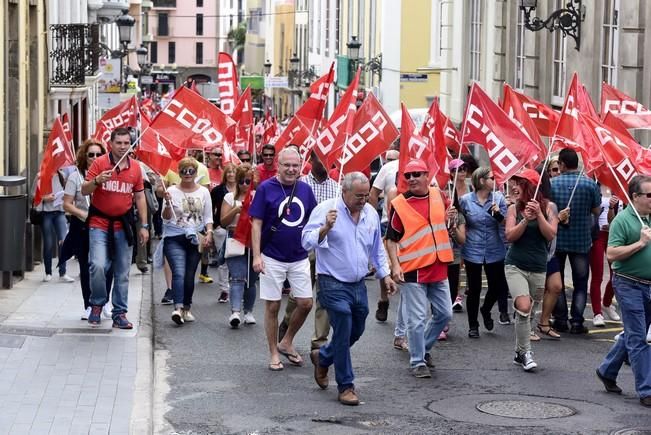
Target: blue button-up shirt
{"points": [[577, 236], [484, 235], [345, 251]]}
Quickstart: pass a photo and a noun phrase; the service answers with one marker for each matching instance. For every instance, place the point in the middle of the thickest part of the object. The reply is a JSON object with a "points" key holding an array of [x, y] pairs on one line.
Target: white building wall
{"points": [[390, 37]]}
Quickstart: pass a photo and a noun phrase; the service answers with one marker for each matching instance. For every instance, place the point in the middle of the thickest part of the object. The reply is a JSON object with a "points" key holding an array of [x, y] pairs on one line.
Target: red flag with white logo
{"points": [[270, 130], [413, 146], [227, 83], [311, 112], [65, 122], [373, 133], [330, 140], [240, 135], [192, 122], [154, 138], [624, 108], [568, 130], [295, 133], [643, 155], [513, 107], [434, 130], [242, 231], [508, 147], [122, 115], [544, 117], [57, 155]]}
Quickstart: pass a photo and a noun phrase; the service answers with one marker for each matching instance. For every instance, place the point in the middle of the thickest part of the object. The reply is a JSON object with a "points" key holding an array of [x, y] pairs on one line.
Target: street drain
{"points": [[632, 431], [524, 409]]}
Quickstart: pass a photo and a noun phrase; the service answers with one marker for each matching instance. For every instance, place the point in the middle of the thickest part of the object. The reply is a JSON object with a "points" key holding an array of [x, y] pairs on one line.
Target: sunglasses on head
{"points": [[246, 181], [409, 175], [188, 171], [93, 155], [647, 194]]}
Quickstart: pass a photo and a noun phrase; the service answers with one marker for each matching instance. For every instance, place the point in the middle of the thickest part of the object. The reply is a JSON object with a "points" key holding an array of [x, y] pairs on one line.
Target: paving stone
{"points": [[20, 429]]}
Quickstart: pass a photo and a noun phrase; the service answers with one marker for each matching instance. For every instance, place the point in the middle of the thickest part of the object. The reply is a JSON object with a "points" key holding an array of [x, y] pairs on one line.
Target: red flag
{"points": [[617, 159], [624, 108], [270, 130], [311, 112], [65, 121], [568, 130], [412, 146], [192, 122], [240, 135], [434, 130], [153, 139], [509, 149], [295, 133], [643, 155], [544, 117], [374, 133], [57, 154], [243, 228], [122, 115], [227, 83], [193, 87], [513, 107], [331, 139]]}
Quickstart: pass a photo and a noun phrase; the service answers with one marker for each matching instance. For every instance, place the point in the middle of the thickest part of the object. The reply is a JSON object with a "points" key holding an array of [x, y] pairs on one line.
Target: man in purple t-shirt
{"points": [[280, 209]]}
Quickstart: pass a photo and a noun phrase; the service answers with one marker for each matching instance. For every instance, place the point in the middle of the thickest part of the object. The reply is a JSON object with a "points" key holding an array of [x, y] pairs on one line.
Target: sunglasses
{"points": [[93, 155], [246, 181], [409, 175], [268, 155], [490, 178], [188, 171], [245, 160], [647, 194], [216, 155]]}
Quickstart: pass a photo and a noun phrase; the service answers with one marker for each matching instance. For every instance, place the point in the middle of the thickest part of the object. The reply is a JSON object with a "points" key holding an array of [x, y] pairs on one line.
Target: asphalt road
{"points": [[213, 379]]}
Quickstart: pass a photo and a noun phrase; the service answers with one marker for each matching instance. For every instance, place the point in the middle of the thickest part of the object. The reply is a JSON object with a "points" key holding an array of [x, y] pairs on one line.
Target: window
{"points": [[318, 26], [475, 39], [199, 24], [610, 42], [360, 28], [153, 52], [253, 23], [199, 57], [518, 83], [171, 52], [163, 28], [164, 3], [199, 3], [559, 48], [326, 49], [337, 26], [310, 13]]}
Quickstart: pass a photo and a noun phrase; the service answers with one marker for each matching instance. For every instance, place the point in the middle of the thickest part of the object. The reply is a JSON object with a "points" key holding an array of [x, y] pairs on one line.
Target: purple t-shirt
{"points": [[270, 198]]}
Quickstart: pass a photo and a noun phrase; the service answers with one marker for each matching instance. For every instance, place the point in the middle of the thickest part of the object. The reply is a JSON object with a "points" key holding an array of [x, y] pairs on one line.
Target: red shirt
{"points": [[265, 173], [215, 175], [435, 272], [115, 196]]}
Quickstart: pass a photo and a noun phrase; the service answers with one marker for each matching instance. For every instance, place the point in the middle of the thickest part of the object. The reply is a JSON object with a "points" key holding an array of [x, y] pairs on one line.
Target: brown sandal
{"points": [[548, 331]]}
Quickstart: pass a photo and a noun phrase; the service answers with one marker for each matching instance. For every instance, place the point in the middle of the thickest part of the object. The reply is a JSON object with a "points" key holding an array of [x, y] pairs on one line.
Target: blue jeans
{"points": [[401, 326], [54, 229], [423, 329], [183, 258], [347, 307], [101, 267], [580, 268], [241, 285], [634, 300]]}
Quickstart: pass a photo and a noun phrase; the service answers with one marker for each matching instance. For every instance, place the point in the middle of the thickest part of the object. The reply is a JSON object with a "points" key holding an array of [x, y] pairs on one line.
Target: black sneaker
{"points": [[168, 297], [610, 385], [223, 298], [525, 359], [382, 312], [505, 319], [429, 361], [95, 316], [578, 329], [488, 320], [473, 333]]}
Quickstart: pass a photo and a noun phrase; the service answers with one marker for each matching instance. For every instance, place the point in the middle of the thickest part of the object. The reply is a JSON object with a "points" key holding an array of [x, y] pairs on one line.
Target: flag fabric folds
{"points": [[58, 154], [227, 83]]}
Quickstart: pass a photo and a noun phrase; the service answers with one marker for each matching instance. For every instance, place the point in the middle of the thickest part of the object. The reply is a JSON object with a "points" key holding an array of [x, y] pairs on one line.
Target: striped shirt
{"points": [[324, 190]]}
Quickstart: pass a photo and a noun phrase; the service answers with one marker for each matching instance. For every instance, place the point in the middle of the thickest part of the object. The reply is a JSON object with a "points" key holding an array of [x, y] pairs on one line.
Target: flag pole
{"points": [[544, 168], [630, 201], [463, 135], [574, 188]]}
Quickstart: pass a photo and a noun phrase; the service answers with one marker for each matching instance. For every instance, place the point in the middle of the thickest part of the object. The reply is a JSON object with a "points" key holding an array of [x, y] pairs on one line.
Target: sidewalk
{"points": [[59, 376]]}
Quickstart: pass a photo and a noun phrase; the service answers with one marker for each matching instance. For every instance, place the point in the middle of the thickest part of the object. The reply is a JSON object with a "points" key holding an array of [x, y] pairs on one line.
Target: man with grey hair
{"points": [[279, 211], [345, 233], [629, 249]]}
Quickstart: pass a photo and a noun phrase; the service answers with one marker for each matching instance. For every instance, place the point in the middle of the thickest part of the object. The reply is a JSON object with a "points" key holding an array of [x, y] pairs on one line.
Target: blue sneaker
{"points": [[95, 316], [120, 321]]}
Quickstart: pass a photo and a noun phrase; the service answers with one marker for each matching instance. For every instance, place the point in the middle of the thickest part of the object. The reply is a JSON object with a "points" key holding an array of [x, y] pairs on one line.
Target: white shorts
{"points": [[275, 273]]}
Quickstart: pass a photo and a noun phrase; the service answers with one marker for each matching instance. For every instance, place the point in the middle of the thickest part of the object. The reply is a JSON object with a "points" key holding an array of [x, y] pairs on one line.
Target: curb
{"points": [[142, 410]]}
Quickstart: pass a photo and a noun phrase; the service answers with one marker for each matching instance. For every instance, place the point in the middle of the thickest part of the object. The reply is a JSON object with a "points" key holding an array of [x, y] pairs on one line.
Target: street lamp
{"points": [[293, 68], [567, 20], [141, 54], [353, 48], [267, 67], [125, 23]]}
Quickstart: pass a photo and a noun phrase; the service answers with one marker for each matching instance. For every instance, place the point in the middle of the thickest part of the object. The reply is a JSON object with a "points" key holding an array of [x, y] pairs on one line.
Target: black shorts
{"points": [[553, 266]]}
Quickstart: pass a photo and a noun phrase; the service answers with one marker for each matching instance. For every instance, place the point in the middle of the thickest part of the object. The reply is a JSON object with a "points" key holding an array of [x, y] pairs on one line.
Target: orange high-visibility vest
{"points": [[423, 241]]}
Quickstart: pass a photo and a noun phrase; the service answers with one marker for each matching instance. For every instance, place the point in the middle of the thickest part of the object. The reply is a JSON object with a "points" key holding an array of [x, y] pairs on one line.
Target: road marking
{"points": [[603, 330]]}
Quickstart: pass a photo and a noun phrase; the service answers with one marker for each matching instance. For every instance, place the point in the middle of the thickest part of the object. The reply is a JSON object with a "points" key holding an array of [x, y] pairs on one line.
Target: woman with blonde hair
{"points": [[242, 275], [187, 230]]}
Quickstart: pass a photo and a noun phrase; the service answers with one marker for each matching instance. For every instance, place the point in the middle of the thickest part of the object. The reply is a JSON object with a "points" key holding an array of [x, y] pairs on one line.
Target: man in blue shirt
{"points": [[574, 237], [343, 251]]}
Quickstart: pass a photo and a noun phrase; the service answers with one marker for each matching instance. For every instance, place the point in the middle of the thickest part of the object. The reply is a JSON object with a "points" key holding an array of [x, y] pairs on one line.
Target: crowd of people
{"points": [[320, 241]]}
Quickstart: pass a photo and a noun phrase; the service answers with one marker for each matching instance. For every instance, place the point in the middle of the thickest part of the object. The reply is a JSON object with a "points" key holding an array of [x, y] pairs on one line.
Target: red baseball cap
{"points": [[416, 165], [530, 175]]}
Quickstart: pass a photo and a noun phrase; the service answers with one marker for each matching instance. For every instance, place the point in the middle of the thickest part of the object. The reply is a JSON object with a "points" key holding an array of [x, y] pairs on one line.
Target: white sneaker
{"points": [[648, 335], [187, 316], [106, 312], [66, 278], [610, 313], [622, 333], [234, 320], [598, 320], [85, 314], [177, 316], [47, 278], [249, 319]]}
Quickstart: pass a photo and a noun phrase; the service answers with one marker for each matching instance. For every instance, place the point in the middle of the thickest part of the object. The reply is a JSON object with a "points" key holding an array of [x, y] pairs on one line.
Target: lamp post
{"points": [[141, 55], [267, 67], [353, 54], [266, 71], [125, 23], [293, 78], [567, 20]]}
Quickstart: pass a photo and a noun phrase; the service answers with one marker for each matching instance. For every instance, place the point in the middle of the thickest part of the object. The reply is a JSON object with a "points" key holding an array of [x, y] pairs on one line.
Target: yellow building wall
{"points": [[415, 52], [283, 51]]}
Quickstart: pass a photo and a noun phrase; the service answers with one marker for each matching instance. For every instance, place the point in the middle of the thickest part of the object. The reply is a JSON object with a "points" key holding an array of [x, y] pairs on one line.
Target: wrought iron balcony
{"points": [[74, 53]]}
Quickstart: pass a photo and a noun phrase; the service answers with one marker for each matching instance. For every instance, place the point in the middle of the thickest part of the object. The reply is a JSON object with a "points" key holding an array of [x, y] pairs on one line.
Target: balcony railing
{"points": [[74, 53]]}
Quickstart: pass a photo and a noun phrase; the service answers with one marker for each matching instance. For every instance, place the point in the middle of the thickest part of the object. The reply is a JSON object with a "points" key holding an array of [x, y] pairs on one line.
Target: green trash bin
{"points": [[13, 209]]}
